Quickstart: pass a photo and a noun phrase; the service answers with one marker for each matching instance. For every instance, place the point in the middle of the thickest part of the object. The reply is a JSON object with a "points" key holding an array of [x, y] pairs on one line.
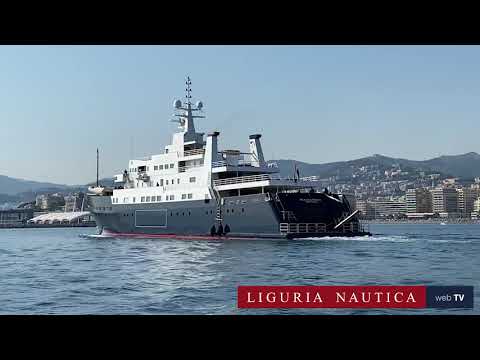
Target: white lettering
{"points": [[270, 297], [281, 297]]}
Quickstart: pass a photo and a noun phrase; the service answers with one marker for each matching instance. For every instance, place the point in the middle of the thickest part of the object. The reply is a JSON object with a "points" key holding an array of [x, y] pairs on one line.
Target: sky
{"points": [[310, 103]]}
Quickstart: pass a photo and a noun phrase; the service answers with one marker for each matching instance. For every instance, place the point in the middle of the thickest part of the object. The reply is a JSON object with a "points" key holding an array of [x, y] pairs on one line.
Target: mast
{"points": [[186, 116], [97, 167]]}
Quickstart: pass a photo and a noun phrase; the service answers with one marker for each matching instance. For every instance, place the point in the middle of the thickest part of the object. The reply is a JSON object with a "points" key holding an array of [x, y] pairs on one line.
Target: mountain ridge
{"points": [[465, 166]]}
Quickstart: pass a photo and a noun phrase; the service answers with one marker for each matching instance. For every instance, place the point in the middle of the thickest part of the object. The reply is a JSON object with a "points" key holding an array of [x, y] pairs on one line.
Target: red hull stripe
{"points": [[175, 236]]}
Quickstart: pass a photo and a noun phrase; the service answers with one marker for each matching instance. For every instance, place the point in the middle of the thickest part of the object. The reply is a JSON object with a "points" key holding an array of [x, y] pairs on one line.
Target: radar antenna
{"points": [[185, 118]]}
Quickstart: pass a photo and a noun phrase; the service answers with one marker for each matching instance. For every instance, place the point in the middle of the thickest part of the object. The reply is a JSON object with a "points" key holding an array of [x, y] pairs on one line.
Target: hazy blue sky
{"points": [[311, 103]]}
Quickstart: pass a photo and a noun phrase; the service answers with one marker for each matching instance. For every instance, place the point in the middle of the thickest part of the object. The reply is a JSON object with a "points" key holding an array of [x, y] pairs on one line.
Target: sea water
{"points": [[66, 271]]}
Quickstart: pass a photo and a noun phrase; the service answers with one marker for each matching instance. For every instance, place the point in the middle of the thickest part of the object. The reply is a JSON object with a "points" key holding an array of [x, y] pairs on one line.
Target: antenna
{"points": [[188, 90], [97, 167]]}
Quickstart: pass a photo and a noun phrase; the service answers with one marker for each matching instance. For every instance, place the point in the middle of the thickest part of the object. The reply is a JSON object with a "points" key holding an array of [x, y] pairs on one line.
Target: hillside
{"points": [[466, 166], [12, 186]]}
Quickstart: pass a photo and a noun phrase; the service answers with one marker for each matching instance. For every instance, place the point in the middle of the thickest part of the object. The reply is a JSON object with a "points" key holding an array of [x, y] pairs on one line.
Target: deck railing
{"points": [[239, 162], [193, 152], [246, 179], [259, 177], [299, 228]]}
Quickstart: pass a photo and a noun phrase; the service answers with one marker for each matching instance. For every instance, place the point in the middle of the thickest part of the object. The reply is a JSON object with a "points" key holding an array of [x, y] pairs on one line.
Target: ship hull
{"points": [[246, 217]]}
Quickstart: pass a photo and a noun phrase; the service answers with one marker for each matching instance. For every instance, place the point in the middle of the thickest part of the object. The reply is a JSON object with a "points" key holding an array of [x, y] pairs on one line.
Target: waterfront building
{"points": [[74, 202], [419, 201], [476, 209], [466, 199], [389, 207], [49, 201], [444, 200], [15, 216], [366, 208], [66, 218]]}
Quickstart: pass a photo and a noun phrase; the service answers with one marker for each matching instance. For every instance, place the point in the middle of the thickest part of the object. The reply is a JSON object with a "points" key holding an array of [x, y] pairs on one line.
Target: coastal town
{"points": [[381, 193]]}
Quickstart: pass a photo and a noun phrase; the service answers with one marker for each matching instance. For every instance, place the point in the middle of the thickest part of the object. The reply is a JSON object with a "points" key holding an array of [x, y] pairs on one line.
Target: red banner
{"points": [[332, 297]]}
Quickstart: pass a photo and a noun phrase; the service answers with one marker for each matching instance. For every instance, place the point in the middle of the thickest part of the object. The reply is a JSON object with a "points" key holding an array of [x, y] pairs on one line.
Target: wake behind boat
{"points": [[195, 190]]}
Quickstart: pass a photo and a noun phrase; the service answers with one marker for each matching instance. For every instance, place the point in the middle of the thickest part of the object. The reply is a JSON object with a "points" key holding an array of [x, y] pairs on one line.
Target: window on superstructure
{"points": [[190, 196], [155, 168], [166, 182], [159, 198], [142, 199], [133, 199], [172, 197], [148, 199], [193, 179], [161, 182], [184, 196], [178, 181], [171, 166], [160, 167]]}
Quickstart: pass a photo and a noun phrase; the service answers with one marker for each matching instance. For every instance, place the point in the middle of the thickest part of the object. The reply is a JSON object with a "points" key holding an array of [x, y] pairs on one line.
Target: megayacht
{"points": [[195, 190]]}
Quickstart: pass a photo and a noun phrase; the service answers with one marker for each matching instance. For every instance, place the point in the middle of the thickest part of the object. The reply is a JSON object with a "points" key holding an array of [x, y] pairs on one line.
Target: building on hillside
{"points": [[74, 202], [49, 201]]}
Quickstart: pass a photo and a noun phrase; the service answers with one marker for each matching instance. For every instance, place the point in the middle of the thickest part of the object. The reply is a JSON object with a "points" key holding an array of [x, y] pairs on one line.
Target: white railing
{"points": [[259, 177], [246, 179], [185, 168], [297, 228], [237, 163], [194, 152]]}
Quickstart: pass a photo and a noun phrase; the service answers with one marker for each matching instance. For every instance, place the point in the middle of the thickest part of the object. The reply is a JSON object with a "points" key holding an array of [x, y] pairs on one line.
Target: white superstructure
{"points": [[191, 168]]}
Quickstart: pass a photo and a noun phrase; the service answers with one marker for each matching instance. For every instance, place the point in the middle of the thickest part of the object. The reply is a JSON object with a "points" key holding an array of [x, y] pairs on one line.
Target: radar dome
{"points": [[199, 104], [177, 104]]}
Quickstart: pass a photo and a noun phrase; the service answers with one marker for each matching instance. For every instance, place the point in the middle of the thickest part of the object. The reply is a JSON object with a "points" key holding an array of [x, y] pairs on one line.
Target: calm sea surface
{"points": [[57, 271]]}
